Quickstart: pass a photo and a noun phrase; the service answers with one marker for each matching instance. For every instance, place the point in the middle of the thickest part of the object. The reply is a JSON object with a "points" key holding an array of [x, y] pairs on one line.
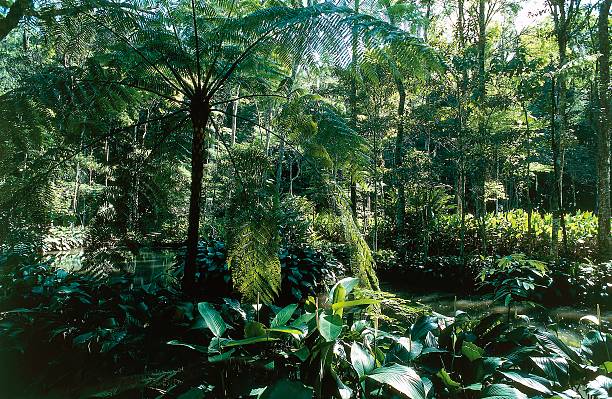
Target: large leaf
{"points": [[422, 326], [286, 389], [283, 316], [361, 359], [404, 350], [247, 341], [330, 327], [600, 387], [597, 347], [285, 330], [554, 368], [212, 318], [350, 304], [471, 351], [531, 381], [501, 391], [401, 378], [254, 329], [198, 348], [348, 283], [447, 380], [553, 344]]}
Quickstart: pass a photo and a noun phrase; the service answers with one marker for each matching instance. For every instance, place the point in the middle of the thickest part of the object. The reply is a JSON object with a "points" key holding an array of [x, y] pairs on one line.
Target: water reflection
{"points": [[145, 266]]}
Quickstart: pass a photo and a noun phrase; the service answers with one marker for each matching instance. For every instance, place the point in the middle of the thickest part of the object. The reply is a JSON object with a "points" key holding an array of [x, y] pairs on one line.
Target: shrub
{"points": [[305, 271]]}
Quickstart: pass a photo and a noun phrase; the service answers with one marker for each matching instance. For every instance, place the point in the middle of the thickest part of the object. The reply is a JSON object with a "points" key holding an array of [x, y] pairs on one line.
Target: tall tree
{"points": [[564, 14], [603, 136]]}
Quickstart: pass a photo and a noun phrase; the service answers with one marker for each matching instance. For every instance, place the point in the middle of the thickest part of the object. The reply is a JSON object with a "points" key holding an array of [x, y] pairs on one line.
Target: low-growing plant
{"points": [[514, 279]]}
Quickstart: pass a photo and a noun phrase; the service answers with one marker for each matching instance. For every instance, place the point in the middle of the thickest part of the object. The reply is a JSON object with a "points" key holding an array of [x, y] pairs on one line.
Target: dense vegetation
{"points": [[311, 169]]}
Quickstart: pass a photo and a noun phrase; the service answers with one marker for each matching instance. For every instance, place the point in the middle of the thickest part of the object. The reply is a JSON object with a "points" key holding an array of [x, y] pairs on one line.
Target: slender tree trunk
{"points": [[482, 162], [603, 137], [353, 101], [555, 196], [461, 92], [528, 176], [199, 119], [235, 116], [400, 213]]}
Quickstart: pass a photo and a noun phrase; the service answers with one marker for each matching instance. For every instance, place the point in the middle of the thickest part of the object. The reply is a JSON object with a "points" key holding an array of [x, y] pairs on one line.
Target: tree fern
{"points": [[252, 228]]}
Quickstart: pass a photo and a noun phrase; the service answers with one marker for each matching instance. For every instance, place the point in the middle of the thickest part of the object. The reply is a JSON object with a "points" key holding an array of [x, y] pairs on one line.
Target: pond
{"points": [[146, 264]]}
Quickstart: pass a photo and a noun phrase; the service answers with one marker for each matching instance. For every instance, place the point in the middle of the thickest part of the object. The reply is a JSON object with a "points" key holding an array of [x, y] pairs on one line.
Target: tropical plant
{"points": [[514, 278]]}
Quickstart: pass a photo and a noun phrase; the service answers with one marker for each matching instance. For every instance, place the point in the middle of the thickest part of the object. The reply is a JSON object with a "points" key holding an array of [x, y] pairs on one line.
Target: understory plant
{"points": [[514, 278], [343, 352]]}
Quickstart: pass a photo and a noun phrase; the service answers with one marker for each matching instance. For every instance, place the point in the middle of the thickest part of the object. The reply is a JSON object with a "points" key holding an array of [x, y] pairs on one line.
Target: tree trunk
{"points": [[400, 212], [528, 175], [603, 137], [199, 119], [235, 116], [555, 195], [480, 199]]}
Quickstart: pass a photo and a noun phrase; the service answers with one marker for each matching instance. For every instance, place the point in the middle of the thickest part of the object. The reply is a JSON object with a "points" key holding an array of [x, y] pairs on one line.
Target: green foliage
{"points": [[507, 233], [305, 271], [514, 278], [253, 228]]}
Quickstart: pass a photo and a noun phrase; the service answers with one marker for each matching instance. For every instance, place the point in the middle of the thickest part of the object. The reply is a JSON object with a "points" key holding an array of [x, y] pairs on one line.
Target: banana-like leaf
{"points": [[330, 327], [212, 318], [356, 302], [283, 316], [531, 381], [248, 341], [502, 391], [401, 378], [361, 359], [285, 330]]}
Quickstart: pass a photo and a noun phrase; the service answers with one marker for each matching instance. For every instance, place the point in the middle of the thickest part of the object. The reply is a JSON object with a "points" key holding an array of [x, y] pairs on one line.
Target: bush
{"points": [[507, 234], [305, 271]]}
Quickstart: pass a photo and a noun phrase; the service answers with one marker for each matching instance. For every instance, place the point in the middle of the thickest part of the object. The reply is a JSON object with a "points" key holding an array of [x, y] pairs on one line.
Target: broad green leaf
{"points": [[302, 353], [254, 329], [401, 378], [350, 304], [285, 330], [286, 389], [447, 380], [555, 368], [471, 351], [422, 326], [600, 387], [302, 321], [247, 341], [532, 381], [348, 283], [212, 318], [283, 316], [501, 391], [361, 359], [198, 348], [330, 327]]}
